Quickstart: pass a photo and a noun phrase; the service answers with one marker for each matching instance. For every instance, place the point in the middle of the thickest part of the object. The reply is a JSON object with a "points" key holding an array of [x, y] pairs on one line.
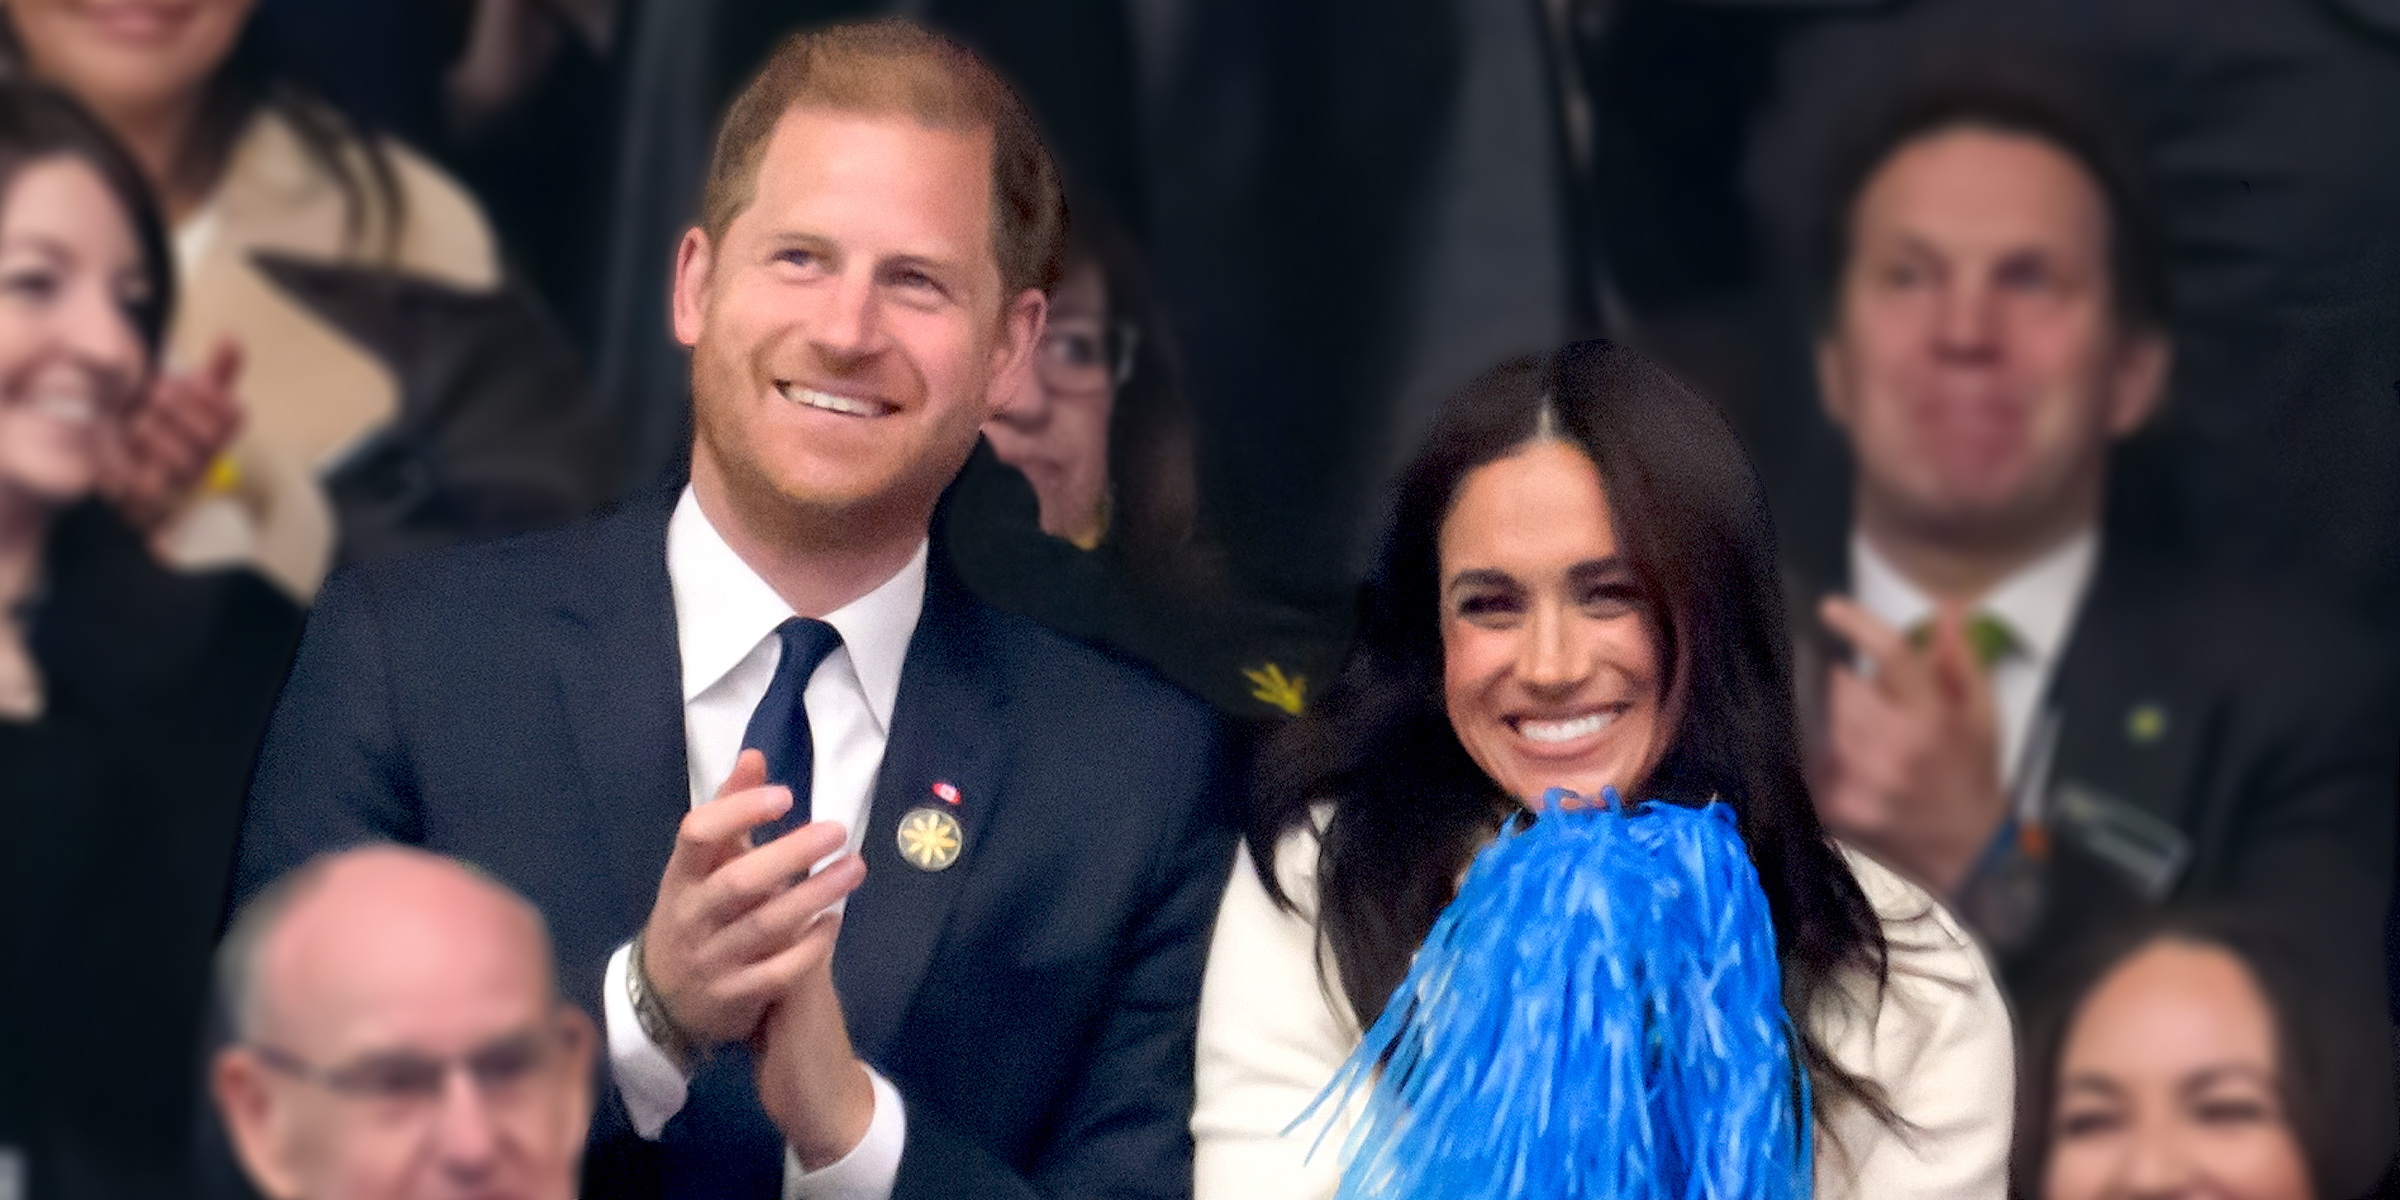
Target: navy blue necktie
{"points": [[721, 1146], [779, 725]]}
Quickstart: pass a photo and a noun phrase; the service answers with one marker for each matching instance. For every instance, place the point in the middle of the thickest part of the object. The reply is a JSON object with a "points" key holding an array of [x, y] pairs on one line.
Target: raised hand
{"points": [[170, 441], [1911, 772], [735, 927]]}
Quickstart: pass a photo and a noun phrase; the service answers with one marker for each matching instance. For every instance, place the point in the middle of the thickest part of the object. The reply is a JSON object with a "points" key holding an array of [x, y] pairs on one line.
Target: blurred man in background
{"points": [[400, 1034], [2050, 729]]}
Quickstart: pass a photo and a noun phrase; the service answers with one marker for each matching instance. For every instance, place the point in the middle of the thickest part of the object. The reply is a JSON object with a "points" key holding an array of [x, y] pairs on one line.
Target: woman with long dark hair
{"points": [[132, 697], [2195, 1054], [1578, 589], [290, 225]]}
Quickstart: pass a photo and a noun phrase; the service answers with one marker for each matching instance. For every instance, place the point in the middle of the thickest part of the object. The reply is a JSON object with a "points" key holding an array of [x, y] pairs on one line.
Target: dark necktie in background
{"points": [[721, 1145]]}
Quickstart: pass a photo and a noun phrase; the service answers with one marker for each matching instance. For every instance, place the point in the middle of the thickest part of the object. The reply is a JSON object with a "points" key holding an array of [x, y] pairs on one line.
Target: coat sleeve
{"points": [[2309, 814], [332, 772], [1271, 1037], [2313, 811], [1936, 1037]]}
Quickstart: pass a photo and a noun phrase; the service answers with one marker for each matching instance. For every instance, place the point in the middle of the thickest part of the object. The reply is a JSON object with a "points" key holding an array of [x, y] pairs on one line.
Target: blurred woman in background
{"points": [[337, 450], [1101, 434], [2190, 1058], [132, 697]]}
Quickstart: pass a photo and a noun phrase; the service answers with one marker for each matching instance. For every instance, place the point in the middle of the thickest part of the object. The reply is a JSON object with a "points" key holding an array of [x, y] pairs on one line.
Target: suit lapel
{"points": [[946, 729], [2130, 721], [620, 681]]}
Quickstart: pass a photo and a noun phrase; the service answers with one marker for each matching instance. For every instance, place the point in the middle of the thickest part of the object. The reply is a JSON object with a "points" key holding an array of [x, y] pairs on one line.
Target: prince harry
{"points": [[881, 891]]}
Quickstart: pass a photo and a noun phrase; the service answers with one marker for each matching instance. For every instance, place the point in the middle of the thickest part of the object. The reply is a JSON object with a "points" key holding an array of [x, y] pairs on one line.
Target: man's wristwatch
{"points": [[651, 1012]]}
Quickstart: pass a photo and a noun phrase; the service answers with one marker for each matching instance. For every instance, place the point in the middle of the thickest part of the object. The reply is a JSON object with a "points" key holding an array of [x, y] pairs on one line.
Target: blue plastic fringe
{"points": [[1597, 1013]]}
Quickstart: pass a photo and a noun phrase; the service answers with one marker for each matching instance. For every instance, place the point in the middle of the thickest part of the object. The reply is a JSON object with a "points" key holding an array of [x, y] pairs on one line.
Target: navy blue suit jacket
{"points": [[518, 705]]}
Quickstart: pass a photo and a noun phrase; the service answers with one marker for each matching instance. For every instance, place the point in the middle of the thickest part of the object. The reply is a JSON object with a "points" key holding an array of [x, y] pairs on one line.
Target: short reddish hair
{"points": [[891, 66]]}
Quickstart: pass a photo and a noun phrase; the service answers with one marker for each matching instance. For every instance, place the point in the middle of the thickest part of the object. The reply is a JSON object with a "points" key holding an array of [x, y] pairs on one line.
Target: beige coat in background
{"points": [[308, 392]]}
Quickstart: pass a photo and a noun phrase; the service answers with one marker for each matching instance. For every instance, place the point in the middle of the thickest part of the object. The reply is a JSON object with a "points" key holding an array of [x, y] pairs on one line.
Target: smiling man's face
{"points": [[1978, 367], [848, 328]]}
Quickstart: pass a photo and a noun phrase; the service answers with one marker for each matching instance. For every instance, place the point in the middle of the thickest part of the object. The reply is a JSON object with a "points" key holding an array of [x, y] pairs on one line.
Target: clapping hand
{"points": [[735, 927], [1912, 767], [170, 440], [809, 1080]]}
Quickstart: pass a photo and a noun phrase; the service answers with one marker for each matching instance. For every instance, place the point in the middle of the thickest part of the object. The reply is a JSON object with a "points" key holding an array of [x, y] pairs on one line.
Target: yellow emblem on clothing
{"points": [[2146, 724], [223, 476], [1268, 683], [929, 838]]}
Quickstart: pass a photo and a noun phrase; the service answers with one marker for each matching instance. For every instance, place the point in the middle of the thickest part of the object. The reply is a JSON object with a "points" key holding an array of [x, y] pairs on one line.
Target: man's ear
{"points": [[583, 1038], [2139, 381], [1021, 325], [256, 1121], [694, 258]]}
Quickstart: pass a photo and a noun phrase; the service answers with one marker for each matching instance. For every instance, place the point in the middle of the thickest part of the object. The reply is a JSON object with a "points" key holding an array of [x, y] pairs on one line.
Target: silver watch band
{"points": [[657, 1023]]}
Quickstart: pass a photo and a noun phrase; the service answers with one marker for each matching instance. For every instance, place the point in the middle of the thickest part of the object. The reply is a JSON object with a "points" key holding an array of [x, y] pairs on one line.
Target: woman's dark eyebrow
{"points": [[2093, 1083], [42, 243], [2206, 1077], [1598, 570], [1480, 577]]}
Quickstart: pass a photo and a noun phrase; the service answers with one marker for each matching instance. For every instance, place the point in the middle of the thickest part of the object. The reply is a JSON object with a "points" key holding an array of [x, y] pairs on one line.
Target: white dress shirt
{"points": [[725, 620], [2038, 602]]}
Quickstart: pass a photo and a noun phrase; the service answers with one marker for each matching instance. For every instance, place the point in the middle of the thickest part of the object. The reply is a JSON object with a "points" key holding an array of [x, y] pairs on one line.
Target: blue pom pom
{"points": [[1597, 1013]]}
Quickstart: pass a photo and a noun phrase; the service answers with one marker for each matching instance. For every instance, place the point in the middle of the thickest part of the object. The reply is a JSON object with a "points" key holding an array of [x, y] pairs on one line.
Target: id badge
{"points": [[2149, 851]]}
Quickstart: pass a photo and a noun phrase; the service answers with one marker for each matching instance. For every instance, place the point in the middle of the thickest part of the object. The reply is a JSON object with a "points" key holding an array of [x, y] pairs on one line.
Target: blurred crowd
{"points": [[358, 359]]}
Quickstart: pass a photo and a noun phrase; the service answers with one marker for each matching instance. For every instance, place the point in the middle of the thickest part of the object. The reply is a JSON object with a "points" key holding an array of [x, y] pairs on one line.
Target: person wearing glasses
{"points": [[400, 1032], [1057, 428], [1111, 545]]}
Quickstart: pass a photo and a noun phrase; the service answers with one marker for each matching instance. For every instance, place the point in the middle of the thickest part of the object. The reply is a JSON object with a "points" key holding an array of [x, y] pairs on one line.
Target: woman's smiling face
{"points": [[1551, 672], [128, 56], [71, 358], [2170, 1086]]}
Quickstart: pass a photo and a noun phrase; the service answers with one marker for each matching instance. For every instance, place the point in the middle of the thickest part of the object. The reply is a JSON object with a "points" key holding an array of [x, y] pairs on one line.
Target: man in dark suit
{"points": [[2048, 730], [974, 973]]}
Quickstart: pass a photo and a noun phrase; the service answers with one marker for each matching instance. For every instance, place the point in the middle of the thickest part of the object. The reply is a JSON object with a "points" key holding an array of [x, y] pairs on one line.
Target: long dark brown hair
{"points": [[1409, 807], [1155, 518], [38, 123]]}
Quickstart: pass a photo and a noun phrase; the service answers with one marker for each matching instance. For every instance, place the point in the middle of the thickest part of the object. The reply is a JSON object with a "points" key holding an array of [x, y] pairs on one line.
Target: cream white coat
{"points": [[1937, 1039]]}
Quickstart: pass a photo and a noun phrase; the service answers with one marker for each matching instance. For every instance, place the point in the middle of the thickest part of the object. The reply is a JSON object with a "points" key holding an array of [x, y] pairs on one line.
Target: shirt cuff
{"points": [[652, 1088], [872, 1166]]}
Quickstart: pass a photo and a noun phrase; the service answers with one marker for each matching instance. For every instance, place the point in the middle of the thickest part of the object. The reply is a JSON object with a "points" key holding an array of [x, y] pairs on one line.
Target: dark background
{"points": [[1351, 207]]}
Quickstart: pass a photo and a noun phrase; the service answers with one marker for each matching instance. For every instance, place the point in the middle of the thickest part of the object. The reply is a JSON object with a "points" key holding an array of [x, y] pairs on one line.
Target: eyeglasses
{"points": [[1086, 356], [403, 1083]]}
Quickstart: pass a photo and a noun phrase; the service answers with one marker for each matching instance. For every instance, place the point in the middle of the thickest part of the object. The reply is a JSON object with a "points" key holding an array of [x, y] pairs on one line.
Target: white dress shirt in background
{"points": [[725, 620], [2038, 602]]}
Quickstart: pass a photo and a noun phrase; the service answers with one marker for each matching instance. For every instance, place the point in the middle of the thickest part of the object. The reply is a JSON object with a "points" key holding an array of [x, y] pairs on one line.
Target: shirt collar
{"points": [[723, 610], [2037, 600]]}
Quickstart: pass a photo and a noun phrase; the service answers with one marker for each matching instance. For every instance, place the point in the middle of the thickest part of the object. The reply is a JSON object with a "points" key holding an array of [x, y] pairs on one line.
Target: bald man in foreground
{"points": [[399, 1032]]}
